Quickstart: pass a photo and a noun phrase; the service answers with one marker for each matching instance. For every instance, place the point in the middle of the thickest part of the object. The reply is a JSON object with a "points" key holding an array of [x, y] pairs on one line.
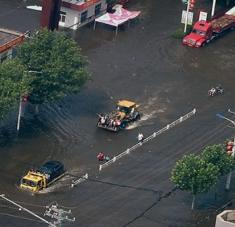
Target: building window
{"points": [[97, 9], [62, 16], [83, 16]]}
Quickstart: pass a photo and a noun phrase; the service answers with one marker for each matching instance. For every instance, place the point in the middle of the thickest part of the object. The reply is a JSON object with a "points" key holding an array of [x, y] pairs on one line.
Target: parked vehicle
{"points": [[125, 113], [203, 32], [38, 179]]}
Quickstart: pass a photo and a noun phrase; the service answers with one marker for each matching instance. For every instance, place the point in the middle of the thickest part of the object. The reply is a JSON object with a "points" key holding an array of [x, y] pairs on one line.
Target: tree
{"points": [[13, 84], [217, 155], [56, 64], [194, 174]]}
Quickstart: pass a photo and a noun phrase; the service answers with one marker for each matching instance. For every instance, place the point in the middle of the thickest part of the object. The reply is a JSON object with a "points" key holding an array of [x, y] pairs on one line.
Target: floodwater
{"points": [[142, 63]]}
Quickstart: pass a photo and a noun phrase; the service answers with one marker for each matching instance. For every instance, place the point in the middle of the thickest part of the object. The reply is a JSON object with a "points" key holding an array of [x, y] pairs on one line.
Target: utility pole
{"points": [[186, 19], [19, 115], [23, 99], [28, 211], [213, 8], [228, 181]]}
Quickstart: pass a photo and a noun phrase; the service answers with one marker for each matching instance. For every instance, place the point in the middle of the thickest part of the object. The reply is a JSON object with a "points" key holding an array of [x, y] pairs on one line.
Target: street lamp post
{"points": [[22, 99], [213, 8], [186, 18], [19, 115], [228, 181]]}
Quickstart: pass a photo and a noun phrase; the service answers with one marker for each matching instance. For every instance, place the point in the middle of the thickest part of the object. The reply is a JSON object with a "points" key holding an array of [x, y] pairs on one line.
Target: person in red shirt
{"points": [[101, 156]]}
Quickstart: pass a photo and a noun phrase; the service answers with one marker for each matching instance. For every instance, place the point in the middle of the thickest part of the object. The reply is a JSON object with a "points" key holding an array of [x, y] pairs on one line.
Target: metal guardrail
{"points": [[152, 136], [79, 180]]}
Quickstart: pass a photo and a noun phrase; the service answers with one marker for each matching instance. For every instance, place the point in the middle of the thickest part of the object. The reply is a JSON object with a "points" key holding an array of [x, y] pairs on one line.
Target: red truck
{"points": [[203, 32]]}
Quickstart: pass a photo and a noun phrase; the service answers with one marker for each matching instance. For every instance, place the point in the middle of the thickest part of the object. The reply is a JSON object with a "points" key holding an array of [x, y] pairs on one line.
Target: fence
{"points": [[152, 136], [79, 180]]}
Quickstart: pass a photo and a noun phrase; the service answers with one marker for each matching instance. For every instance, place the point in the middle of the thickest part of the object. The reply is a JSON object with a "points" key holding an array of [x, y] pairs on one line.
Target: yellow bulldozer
{"points": [[125, 113]]}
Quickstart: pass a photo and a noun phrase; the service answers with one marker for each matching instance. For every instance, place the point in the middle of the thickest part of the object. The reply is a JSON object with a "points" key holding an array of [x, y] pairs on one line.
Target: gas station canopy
{"points": [[117, 18]]}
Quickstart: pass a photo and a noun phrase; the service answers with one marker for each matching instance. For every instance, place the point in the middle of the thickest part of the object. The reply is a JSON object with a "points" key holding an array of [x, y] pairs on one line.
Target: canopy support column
{"points": [[94, 25], [116, 30], [129, 23]]}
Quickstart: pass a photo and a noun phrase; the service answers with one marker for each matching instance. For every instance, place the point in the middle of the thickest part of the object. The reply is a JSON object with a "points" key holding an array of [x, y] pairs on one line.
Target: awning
{"points": [[117, 18]]}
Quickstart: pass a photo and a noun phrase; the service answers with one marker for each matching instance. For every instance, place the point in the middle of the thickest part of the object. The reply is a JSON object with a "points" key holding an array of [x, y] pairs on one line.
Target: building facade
{"points": [[75, 13], [50, 14]]}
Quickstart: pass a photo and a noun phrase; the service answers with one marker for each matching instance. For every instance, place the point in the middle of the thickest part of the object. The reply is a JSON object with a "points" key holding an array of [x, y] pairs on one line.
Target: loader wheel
{"points": [[137, 117], [123, 125]]}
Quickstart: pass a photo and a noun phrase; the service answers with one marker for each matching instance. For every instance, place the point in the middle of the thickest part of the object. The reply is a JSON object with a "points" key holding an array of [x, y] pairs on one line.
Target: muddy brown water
{"points": [[145, 64]]}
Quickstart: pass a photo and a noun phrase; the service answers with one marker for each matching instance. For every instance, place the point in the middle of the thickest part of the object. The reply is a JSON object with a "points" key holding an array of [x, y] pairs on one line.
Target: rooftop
{"points": [[7, 35], [126, 103], [9, 38], [226, 219], [78, 4]]}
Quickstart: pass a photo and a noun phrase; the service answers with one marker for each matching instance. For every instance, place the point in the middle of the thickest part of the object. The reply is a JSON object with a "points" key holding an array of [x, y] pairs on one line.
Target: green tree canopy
{"points": [[193, 174], [217, 155], [56, 64], [13, 84]]}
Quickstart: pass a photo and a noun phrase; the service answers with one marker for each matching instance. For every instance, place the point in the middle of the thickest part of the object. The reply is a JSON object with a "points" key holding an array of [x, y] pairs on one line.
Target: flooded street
{"points": [[145, 64]]}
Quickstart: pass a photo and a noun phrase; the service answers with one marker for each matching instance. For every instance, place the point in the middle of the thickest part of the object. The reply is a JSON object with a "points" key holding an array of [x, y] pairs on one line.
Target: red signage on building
{"points": [[50, 14]]}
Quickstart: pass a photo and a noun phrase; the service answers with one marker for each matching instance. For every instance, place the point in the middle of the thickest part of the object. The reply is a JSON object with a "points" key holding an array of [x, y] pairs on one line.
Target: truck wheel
{"points": [[203, 44]]}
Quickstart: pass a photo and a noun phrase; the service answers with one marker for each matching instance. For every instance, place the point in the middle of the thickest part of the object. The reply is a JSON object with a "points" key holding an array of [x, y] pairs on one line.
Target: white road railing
{"points": [[79, 180], [152, 136]]}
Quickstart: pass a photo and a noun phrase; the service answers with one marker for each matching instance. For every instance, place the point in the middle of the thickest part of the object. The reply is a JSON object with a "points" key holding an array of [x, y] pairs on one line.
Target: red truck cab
{"points": [[201, 33]]}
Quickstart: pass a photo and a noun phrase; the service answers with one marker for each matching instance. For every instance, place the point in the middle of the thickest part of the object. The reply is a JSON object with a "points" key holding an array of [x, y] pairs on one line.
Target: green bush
{"points": [[179, 33]]}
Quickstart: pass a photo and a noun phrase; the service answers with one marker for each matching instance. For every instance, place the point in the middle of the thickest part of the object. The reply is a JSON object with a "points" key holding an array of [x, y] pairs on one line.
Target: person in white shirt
{"points": [[140, 137]]}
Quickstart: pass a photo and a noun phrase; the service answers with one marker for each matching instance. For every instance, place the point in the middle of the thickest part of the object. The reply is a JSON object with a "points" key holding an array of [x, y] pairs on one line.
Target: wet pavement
{"points": [[145, 64]]}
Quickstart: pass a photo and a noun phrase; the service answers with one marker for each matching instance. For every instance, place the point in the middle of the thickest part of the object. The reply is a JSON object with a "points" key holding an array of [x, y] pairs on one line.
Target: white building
{"points": [[75, 13], [225, 219]]}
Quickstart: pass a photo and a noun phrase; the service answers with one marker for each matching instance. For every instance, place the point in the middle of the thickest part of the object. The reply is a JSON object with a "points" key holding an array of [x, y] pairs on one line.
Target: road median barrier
{"points": [[152, 136]]}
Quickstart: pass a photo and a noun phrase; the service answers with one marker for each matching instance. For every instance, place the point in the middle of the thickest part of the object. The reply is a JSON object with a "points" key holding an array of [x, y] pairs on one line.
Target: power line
{"points": [[59, 214], [20, 217], [26, 210], [9, 207]]}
